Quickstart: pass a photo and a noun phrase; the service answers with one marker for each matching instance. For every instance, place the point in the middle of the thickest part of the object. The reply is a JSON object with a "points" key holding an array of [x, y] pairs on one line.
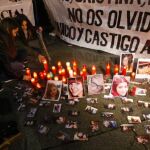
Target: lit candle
{"points": [[35, 75], [64, 80], [74, 73], [81, 73], [41, 75], [84, 72], [54, 69], [59, 64], [33, 81], [45, 65], [44, 74], [48, 76], [108, 69], [63, 72], [56, 78], [28, 72], [132, 76], [60, 72], [71, 73], [116, 69], [38, 85], [124, 71], [68, 68], [93, 69], [74, 66], [68, 64]]}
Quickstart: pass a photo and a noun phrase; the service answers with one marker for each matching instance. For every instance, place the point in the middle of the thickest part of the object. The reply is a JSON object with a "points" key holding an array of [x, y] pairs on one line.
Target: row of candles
{"points": [[60, 73]]}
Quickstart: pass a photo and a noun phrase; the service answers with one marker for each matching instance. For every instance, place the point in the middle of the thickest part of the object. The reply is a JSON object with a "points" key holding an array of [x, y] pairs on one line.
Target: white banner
{"points": [[113, 26], [8, 9]]}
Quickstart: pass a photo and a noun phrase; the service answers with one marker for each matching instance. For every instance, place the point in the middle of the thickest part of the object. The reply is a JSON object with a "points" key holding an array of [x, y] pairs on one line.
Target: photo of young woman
{"points": [[75, 88], [95, 84], [119, 86], [53, 90], [127, 60]]}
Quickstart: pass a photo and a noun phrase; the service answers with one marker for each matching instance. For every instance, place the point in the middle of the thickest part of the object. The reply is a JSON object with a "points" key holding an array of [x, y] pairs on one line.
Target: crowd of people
{"points": [[15, 36]]}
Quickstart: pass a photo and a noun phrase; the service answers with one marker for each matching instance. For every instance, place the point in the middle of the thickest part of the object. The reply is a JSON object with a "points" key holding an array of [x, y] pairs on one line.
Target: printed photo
{"points": [[147, 129], [53, 90], [57, 108], [63, 136], [134, 119], [91, 100], [80, 136], [94, 125], [126, 109], [73, 113], [91, 109], [107, 115], [146, 117], [110, 106], [120, 86], [127, 127], [43, 129], [71, 124], [140, 91], [75, 88], [110, 123], [143, 68], [126, 60], [126, 100], [95, 84], [143, 139], [140, 103], [59, 119]]}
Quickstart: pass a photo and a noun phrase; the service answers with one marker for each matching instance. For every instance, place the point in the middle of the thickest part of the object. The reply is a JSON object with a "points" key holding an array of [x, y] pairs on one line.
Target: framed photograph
{"points": [[143, 69], [126, 60], [75, 88], [120, 86], [53, 90], [95, 84]]}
